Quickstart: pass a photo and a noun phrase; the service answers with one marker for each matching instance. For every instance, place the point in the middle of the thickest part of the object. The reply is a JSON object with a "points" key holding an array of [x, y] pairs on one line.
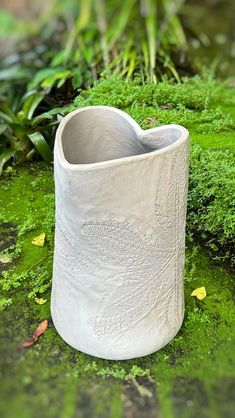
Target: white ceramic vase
{"points": [[121, 196]]}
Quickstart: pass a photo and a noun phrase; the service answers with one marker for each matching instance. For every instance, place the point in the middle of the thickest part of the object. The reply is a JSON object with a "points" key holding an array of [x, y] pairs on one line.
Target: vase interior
{"points": [[98, 135]]}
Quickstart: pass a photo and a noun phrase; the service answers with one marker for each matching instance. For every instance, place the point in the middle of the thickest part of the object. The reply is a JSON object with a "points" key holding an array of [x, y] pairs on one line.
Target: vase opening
{"points": [[96, 135]]}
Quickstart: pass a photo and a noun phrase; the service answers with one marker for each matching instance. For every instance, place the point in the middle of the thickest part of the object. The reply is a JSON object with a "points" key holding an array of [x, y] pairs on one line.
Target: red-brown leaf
{"points": [[28, 343], [38, 331]]}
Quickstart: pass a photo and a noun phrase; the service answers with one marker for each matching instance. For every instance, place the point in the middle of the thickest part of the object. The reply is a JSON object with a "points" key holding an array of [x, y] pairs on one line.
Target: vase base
{"points": [[120, 356]]}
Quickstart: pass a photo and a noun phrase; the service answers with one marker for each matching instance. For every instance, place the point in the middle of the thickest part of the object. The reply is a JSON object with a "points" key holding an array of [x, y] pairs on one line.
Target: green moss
{"points": [[211, 198], [204, 106], [60, 377], [29, 206]]}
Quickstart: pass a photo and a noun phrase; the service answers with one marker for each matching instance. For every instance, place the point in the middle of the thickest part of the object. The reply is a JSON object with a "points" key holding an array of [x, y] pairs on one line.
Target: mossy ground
{"points": [[193, 376]]}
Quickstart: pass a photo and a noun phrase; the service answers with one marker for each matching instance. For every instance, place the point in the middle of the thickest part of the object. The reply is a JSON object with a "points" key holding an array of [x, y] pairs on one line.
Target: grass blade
{"points": [[151, 20], [6, 155], [41, 145], [120, 22], [102, 25], [31, 105], [84, 15]]}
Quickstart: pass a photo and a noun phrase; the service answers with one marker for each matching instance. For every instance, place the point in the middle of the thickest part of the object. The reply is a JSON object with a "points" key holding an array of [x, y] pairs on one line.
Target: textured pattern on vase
{"points": [[137, 288]]}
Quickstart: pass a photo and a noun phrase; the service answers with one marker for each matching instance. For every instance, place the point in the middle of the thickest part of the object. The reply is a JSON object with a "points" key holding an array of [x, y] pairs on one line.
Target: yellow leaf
{"points": [[40, 240], [200, 292], [40, 301]]}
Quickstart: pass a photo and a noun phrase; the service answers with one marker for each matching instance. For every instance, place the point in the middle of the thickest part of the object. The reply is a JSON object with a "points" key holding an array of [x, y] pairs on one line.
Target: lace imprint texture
{"points": [[149, 268]]}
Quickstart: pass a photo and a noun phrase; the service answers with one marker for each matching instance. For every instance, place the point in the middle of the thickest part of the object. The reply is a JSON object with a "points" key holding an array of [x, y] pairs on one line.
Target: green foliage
{"points": [[193, 103], [125, 39], [106, 35], [117, 372], [68, 48], [197, 315], [4, 302], [24, 134], [191, 262], [192, 93], [211, 201], [28, 124]]}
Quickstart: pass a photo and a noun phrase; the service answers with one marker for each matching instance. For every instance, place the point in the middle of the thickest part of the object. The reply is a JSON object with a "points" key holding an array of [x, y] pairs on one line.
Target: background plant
{"points": [[68, 48]]}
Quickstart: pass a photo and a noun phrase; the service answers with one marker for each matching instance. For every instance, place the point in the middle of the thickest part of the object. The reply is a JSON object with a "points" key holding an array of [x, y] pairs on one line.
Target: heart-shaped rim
{"points": [[149, 138]]}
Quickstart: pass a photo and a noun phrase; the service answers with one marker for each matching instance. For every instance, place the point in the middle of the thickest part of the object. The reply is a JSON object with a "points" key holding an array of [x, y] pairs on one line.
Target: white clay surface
{"points": [[121, 196]]}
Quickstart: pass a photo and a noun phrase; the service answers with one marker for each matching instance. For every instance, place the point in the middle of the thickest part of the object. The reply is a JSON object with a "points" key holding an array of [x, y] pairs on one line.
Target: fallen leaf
{"points": [[41, 328], [40, 301], [200, 292], [151, 121], [28, 343], [38, 331], [40, 240], [165, 106]]}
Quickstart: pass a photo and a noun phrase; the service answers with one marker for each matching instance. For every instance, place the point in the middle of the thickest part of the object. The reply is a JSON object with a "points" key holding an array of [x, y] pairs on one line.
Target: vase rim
{"points": [[140, 135]]}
